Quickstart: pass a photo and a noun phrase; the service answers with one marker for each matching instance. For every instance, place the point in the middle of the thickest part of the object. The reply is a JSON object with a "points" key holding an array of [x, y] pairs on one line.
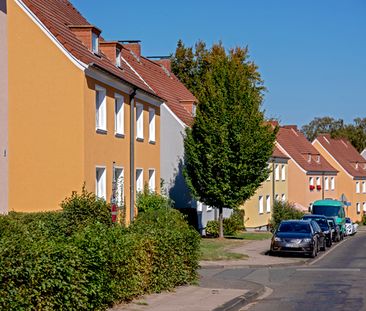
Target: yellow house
{"points": [[77, 112], [352, 172], [258, 209]]}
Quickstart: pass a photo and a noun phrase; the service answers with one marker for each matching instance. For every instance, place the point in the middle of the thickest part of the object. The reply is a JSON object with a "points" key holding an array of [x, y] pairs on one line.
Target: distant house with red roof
{"points": [[310, 176], [352, 171]]}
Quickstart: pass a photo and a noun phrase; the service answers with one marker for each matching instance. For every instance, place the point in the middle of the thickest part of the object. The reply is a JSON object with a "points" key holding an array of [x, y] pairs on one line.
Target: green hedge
{"points": [[51, 261], [283, 211], [231, 225]]}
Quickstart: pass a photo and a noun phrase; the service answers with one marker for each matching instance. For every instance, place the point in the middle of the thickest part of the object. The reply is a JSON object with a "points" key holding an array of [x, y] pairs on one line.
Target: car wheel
{"points": [[329, 243], [314, 253], [323, 248]]}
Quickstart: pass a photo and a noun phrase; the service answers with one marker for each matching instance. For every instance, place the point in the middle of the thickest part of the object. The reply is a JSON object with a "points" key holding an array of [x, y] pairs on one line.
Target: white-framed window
{"points": [[119, 114], [269, 174], [318, 181], [100, 108], [95, 43], [326, 183], [139, 121], [118, 57], [260, 204], [268, 204], [100, 182], [357, 187], [119, 178], [364, 206], [277, 172], [139, 180], [152, 180], [151, 125], [283, 172], [283, 197], [277, 197], [332, 183], [363, 187], [358, 207], [311, 181]]}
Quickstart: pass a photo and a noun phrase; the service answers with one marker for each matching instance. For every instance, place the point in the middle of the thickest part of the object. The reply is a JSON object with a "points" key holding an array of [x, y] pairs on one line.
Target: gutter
{"points": [[132, 155]]}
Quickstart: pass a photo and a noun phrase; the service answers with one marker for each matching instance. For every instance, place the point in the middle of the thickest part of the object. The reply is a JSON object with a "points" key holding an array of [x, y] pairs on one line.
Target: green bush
{"points": [[231, 224], [363, 221], [53, 261], [283, 211], [149, 200]]}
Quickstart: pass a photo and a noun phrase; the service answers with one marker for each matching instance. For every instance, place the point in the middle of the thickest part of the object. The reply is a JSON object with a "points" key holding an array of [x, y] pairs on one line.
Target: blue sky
{"points": [[311, 53]]}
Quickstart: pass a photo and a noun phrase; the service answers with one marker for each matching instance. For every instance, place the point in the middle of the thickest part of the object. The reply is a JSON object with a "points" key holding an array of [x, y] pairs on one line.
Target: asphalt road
{"points": [[337, 281]]}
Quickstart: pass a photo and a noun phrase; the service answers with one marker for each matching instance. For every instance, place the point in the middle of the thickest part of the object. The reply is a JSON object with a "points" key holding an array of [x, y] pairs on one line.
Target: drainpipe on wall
{"points": [[323, 186], [273, 184], [132, 155]]}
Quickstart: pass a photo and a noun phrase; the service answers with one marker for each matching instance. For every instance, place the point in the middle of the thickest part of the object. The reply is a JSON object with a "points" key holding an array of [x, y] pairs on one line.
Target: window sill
{"points": [[97, 54], [139, 139], [119, 135], [152, 142], [101, 131]]}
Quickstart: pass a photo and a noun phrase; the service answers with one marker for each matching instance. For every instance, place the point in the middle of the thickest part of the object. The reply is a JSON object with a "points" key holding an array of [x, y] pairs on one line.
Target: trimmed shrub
{"points": [[212, 228], [231, 225], [149, 200], [283, 211]]}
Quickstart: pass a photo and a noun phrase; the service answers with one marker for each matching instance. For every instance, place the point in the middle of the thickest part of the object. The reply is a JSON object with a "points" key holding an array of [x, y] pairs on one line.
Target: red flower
{"points": [[318, 187], [311, 187]]}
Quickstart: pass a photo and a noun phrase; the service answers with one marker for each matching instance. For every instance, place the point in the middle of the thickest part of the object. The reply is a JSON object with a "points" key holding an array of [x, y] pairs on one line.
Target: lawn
{"points": [[253, 235], [219, 249]]}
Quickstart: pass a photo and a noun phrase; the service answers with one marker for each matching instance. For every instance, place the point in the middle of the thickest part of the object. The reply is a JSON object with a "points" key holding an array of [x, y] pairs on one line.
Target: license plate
{"points": [[290, 245]]}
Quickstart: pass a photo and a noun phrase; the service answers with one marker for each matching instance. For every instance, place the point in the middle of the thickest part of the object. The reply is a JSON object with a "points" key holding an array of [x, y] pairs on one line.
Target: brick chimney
{"points": [[134, 46], [112, 50], [88, 35]]}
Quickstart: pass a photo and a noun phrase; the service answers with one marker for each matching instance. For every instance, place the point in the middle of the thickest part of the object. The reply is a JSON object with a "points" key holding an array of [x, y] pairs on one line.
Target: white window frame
{"points": [[357, 187], [364, 206], [332, 183], [326, 183], [358, 207], [120, 192], [139, 180], [152, 176], [101, 182], [152, 129], [119, 114], [363, 187], [118, 57], [277, 172], [95, 43], [139, 121], [311, 181], [260, 204], [283, 172], [277, 197], [100, 108], [283, 197], [318, 183], [268, 203]]}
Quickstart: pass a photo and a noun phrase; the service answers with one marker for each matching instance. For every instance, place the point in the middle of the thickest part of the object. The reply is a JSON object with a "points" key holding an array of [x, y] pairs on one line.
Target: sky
{"points": [[311, 53]]}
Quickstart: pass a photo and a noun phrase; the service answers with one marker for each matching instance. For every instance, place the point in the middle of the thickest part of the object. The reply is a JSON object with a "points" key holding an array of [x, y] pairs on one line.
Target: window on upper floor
{"points": [[268, 204], [119, 115], [283, 172], [260, 204], [358, 207], [118, 57], [119, 180], [269, 172], [152, 180], [100, 108], [139, 180], [332, 183], [277, 197], [277, 172], [100, 183], [364, 206], [363, 187], [357, 187], [151, 125], [326, 183], [95, 43], [139, 121]]}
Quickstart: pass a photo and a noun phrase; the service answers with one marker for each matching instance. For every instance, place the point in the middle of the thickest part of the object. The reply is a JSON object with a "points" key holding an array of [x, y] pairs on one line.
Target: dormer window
{"points": [[118, 57], [318, 158], [95, 43], [309, 157]]}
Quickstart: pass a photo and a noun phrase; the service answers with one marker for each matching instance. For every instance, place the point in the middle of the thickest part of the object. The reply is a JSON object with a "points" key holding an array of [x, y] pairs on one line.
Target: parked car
{"points": [[349, 226], [355, 227], [336, 232], [296, 236], [322, 221]]}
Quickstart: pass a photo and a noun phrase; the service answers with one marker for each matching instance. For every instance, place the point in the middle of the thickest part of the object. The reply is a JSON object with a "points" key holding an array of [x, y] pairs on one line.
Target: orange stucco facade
{"points": [[347, 186], [53, 144]]}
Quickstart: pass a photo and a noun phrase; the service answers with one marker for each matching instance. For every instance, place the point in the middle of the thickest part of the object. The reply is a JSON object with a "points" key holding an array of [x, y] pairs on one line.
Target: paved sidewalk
{"points": [[213, 293]]}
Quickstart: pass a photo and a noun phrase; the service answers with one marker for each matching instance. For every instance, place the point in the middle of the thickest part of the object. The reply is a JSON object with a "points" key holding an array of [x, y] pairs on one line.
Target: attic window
{"points": [[118, 57], [356, 165], [95, 43], [318, 158], [309, 157]]}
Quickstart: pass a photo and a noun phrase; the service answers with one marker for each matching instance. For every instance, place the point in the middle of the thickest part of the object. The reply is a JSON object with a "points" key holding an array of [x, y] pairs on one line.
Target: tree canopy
{"points": [[229, 144], [354, 132]]}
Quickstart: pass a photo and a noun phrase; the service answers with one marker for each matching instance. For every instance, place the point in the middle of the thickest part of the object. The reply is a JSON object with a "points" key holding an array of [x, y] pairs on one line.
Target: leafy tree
{"points": [[229, 144], [355, 133]]}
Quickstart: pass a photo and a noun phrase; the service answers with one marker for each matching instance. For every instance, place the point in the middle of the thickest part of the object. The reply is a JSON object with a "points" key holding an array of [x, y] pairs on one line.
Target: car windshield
{"points": [[348, 221], [294, 227], [323, 223], [326, 210], [331, 224]]}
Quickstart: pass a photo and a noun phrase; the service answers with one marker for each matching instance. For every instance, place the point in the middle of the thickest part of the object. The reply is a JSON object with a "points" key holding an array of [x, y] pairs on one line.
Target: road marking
{"points": [[330, 269]]}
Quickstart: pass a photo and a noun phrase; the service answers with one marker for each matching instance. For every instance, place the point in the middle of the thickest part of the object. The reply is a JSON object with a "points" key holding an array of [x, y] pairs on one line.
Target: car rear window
{"points": [[294, 227]]}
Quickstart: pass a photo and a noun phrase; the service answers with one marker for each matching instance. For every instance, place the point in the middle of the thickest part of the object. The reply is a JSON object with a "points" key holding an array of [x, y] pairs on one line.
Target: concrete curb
{"points": [[241, 301]]}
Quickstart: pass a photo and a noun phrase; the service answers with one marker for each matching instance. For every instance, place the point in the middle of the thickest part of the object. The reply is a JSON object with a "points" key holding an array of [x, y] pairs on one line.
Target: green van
{"points": [[331, 208]]}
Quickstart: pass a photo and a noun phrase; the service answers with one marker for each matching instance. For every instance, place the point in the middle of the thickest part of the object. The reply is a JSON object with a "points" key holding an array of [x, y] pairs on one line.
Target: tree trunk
{"points": [[221, 223]]}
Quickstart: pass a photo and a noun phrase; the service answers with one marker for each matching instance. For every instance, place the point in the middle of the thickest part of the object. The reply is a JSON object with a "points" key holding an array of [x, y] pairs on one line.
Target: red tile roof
{"points": [[57, 16], [164, 83], [278, 154], [345, 154], [302, 151]]}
